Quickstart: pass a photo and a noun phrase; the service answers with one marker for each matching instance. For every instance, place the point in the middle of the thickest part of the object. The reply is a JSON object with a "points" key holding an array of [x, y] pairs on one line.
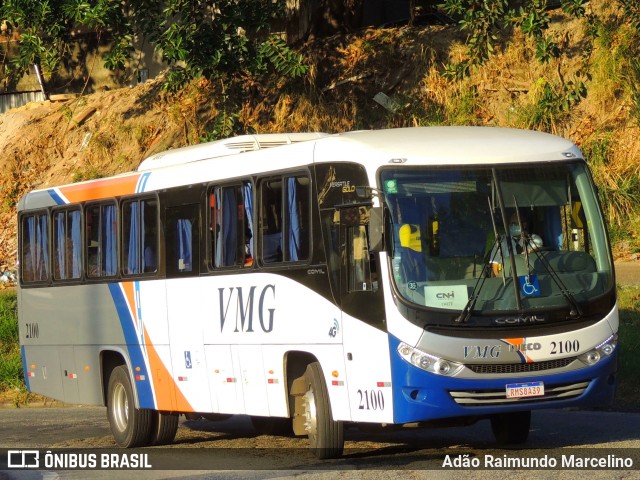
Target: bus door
{"points": [[187, 309], [366, 345]]}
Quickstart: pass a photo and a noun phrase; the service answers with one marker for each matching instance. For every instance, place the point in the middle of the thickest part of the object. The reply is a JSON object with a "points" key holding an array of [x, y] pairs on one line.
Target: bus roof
{"points": [[251, 154], [447, 145], [224, 148]]}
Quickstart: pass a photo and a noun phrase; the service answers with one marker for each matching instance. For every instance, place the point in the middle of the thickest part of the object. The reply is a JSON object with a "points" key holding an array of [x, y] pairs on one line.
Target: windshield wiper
{"points": [[575, 311], [484, 274]]}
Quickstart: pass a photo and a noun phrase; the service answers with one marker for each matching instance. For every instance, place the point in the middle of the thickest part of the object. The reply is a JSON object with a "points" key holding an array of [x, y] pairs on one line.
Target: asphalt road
{"points": [[232, 449]]}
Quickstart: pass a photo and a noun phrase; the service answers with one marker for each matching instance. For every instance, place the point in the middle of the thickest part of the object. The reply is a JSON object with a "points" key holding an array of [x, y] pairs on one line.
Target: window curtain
{"points": [[133, 260], [229, 226], [248, 207], [294, 220], [109, 253], [76, 244], [29, 267], [184, 244], [42, 249], [217, 226], [61, 247], [553, 228]]}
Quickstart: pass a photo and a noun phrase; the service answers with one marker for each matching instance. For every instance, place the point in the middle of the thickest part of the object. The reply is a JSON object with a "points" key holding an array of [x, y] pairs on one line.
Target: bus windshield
{"points": [[464, 237]]}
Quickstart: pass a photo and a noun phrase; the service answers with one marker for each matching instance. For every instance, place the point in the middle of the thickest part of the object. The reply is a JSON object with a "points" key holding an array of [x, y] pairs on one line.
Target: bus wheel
{"points": [[163, 428], [326, 435], [130, 426], [511, 428]]}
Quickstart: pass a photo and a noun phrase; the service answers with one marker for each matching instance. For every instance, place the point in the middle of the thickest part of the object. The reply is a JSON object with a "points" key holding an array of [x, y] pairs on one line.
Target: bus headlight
{"points": [[603, 350], [427, 362]]}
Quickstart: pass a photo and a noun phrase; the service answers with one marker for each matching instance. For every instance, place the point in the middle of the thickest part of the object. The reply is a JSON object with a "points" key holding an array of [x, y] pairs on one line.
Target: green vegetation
{"points": [[198, 39], [10, 362], [628, 394]]}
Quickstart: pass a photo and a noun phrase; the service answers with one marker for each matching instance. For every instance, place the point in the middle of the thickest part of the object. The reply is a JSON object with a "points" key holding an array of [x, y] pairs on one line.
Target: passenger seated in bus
{"points": [[500, 252], [412, 261]]}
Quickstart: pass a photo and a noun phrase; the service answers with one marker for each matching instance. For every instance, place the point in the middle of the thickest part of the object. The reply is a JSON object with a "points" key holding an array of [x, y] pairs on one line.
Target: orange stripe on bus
{"points": [[130, 294], [98, 189], [168, 395]]}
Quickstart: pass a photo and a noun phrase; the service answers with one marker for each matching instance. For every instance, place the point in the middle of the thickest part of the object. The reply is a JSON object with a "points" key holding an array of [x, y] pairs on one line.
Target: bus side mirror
{"points": [[376, 229]]}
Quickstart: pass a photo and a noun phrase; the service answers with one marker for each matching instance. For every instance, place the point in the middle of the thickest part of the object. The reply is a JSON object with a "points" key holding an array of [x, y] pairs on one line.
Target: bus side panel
{"points": [[368, 372], [87, 360], [42, 370], [151, 306], [276, 385], [224, 386], [60, 328], [187, 314], [253, 380], [69, 374]]}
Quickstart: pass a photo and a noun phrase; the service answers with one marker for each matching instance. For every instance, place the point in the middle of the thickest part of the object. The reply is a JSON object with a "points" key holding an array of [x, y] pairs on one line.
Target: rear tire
{"points": [[130, 426], [325, 434], [511, 428], [163, 429]]}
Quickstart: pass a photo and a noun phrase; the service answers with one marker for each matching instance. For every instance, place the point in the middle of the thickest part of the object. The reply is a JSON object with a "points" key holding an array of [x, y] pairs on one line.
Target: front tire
{"points": [[511, 428], [130, 426], [325, 434]]}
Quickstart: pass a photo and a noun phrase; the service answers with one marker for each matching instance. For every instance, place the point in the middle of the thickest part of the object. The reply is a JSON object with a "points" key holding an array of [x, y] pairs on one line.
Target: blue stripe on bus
{"points": [[142, 183], [145, 395], [56, 197], [23, 354]]}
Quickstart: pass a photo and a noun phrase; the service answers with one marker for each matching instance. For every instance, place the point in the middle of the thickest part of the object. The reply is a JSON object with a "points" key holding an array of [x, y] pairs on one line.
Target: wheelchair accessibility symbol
{"points": [[529, 286]]}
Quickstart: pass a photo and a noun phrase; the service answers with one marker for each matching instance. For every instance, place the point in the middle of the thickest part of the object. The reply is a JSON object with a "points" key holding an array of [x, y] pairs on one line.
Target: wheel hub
{"points": [[310, 423], [120, 407]]}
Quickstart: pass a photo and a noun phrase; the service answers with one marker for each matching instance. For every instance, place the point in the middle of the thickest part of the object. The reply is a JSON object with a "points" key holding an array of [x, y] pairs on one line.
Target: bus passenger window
{"points": [[139, 236], [67, 247], [297, 218], [271, 220], [285, 219], [101, 237], [183, 237], [230, 226], [35, 248]]}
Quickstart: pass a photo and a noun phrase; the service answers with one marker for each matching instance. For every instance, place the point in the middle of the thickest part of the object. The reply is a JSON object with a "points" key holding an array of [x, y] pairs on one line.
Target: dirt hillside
{"points": [[56, 142], [375, 78]]}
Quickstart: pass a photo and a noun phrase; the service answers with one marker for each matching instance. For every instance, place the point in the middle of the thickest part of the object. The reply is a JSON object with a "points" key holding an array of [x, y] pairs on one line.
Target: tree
{"points": [[196, 37], [329, 17]]}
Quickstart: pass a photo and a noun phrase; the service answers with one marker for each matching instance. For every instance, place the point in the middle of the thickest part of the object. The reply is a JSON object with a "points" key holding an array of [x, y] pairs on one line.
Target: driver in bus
{"points": [[500, 252]]}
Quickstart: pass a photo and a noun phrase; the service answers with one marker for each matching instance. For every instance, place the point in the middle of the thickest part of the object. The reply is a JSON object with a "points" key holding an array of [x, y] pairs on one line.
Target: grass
{"points": [[10, 363], [628, 393], [627, 397]]}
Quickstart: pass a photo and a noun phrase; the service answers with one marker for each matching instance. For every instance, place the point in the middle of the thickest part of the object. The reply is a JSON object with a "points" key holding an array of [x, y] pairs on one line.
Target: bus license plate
{"points": [[522, 390]]}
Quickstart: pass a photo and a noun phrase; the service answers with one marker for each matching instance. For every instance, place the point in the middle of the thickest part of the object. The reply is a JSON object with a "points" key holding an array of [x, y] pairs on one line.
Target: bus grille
{"points": [[485, 398], [497, 368]]}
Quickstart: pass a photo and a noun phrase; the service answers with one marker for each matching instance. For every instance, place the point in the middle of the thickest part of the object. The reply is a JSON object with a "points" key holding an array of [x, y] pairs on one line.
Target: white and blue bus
{"points": [[418, 275]]}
